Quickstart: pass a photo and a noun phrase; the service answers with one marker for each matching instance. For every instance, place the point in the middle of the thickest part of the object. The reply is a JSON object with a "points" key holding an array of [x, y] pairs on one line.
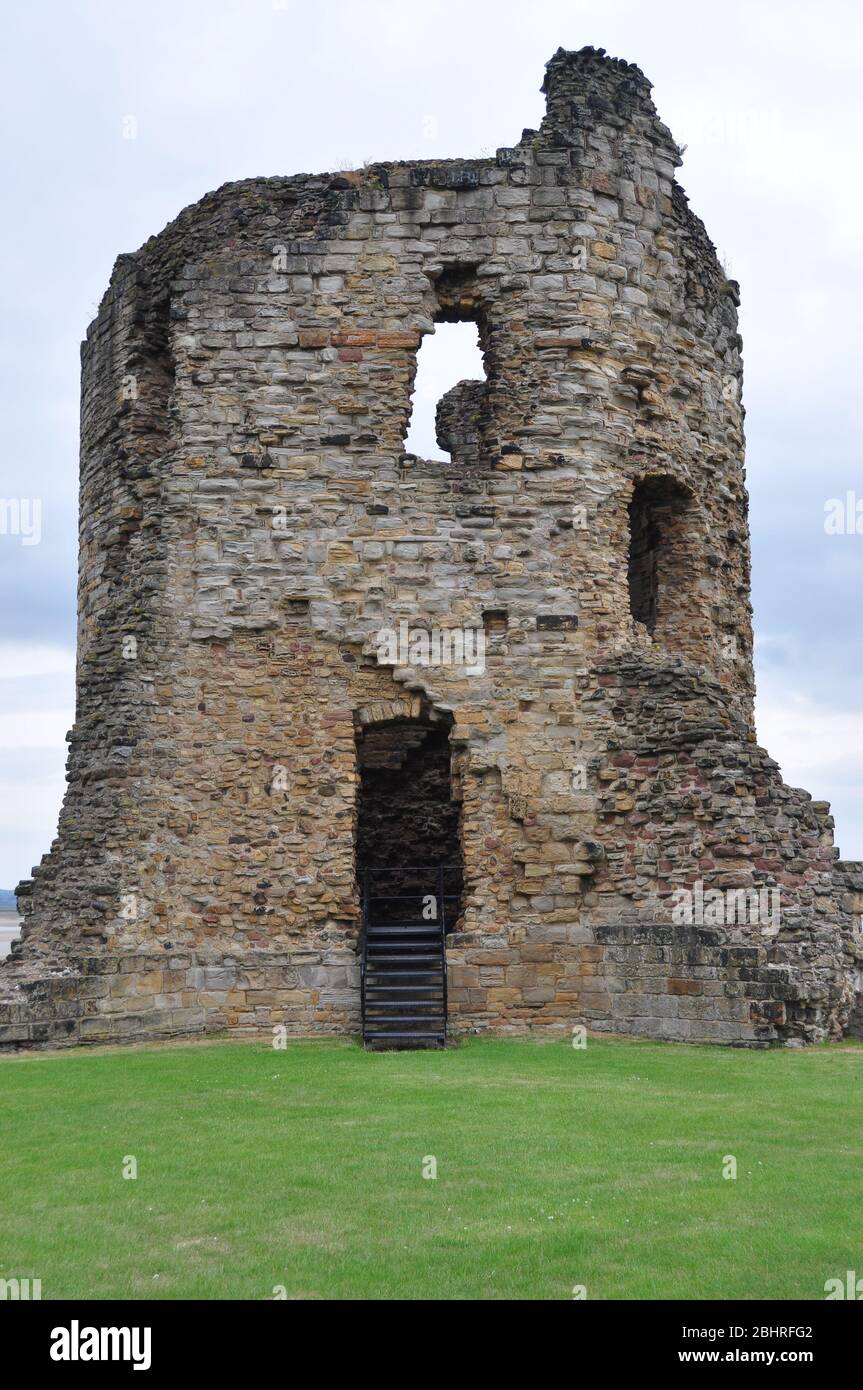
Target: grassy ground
{"points": [[555, 1168]]}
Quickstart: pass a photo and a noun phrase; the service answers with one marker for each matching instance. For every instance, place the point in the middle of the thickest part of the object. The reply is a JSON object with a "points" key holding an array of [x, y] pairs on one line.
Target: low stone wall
{"points": [[681, 983], [687, 984], [135, 998]]}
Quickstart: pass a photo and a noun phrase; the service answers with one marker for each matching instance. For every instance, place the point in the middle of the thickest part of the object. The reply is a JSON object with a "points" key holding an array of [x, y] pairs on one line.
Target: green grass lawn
{"points": [[555, 1168]]}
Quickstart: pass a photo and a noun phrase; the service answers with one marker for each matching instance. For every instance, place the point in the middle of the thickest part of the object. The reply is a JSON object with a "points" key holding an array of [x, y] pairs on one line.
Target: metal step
{"points": [[404, 989], [421, 1008], [402, 960], [421, 1023], [437, 1032], [404, 977], [409, 991], [412, 941], [389, 928]]}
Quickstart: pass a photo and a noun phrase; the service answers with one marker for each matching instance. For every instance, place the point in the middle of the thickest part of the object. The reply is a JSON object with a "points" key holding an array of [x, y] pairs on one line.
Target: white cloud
{"points": [[36, 710], [19, 659], [35, 728], [36, 696], [31, 806], [811, 739], [819, 748]]}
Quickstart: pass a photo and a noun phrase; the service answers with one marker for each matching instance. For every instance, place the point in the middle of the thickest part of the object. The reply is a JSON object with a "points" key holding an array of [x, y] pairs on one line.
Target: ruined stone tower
{"points": [[305, 655]]}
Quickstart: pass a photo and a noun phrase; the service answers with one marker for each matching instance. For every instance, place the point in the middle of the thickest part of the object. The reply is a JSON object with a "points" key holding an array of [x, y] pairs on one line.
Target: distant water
{"points": [[10, 926]]}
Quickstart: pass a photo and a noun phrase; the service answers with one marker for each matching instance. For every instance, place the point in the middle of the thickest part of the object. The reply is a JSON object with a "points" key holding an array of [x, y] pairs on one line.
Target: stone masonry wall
{"points": [[250, 521]]}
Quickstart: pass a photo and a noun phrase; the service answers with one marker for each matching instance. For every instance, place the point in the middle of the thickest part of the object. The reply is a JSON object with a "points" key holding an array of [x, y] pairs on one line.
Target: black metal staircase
{"points": [[404, 957]]}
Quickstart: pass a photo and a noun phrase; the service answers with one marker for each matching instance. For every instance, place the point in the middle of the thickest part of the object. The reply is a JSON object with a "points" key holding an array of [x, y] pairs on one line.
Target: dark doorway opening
{"points": [[410, 873], [408, 821]]}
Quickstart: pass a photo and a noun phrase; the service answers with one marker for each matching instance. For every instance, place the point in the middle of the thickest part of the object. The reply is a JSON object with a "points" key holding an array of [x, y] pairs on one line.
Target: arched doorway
{"points": [[409, 869]]}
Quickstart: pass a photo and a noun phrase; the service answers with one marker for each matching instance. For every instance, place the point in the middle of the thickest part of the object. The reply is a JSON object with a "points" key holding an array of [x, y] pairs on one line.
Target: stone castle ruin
{"points": [[370, 742]]}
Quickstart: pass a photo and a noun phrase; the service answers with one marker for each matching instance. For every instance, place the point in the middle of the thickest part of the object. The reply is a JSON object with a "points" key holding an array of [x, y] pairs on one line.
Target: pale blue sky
{"points": [[767, 99]]}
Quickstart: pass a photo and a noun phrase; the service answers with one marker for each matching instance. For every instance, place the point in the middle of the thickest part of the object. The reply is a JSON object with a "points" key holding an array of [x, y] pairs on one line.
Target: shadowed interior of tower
{"points": [[408, 821], [661, 562]]}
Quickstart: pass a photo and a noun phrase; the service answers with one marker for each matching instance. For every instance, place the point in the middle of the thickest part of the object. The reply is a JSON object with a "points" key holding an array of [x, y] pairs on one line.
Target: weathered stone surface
{"points": [[250, 521]]}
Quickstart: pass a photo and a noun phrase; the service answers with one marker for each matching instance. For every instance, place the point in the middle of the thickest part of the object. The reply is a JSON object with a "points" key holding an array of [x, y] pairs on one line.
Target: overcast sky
{"points": [[765, 96]]}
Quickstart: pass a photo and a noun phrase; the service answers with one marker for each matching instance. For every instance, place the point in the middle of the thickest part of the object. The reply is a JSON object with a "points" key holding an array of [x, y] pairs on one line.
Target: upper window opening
{"points": [[660, 563], [448, 357]]}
